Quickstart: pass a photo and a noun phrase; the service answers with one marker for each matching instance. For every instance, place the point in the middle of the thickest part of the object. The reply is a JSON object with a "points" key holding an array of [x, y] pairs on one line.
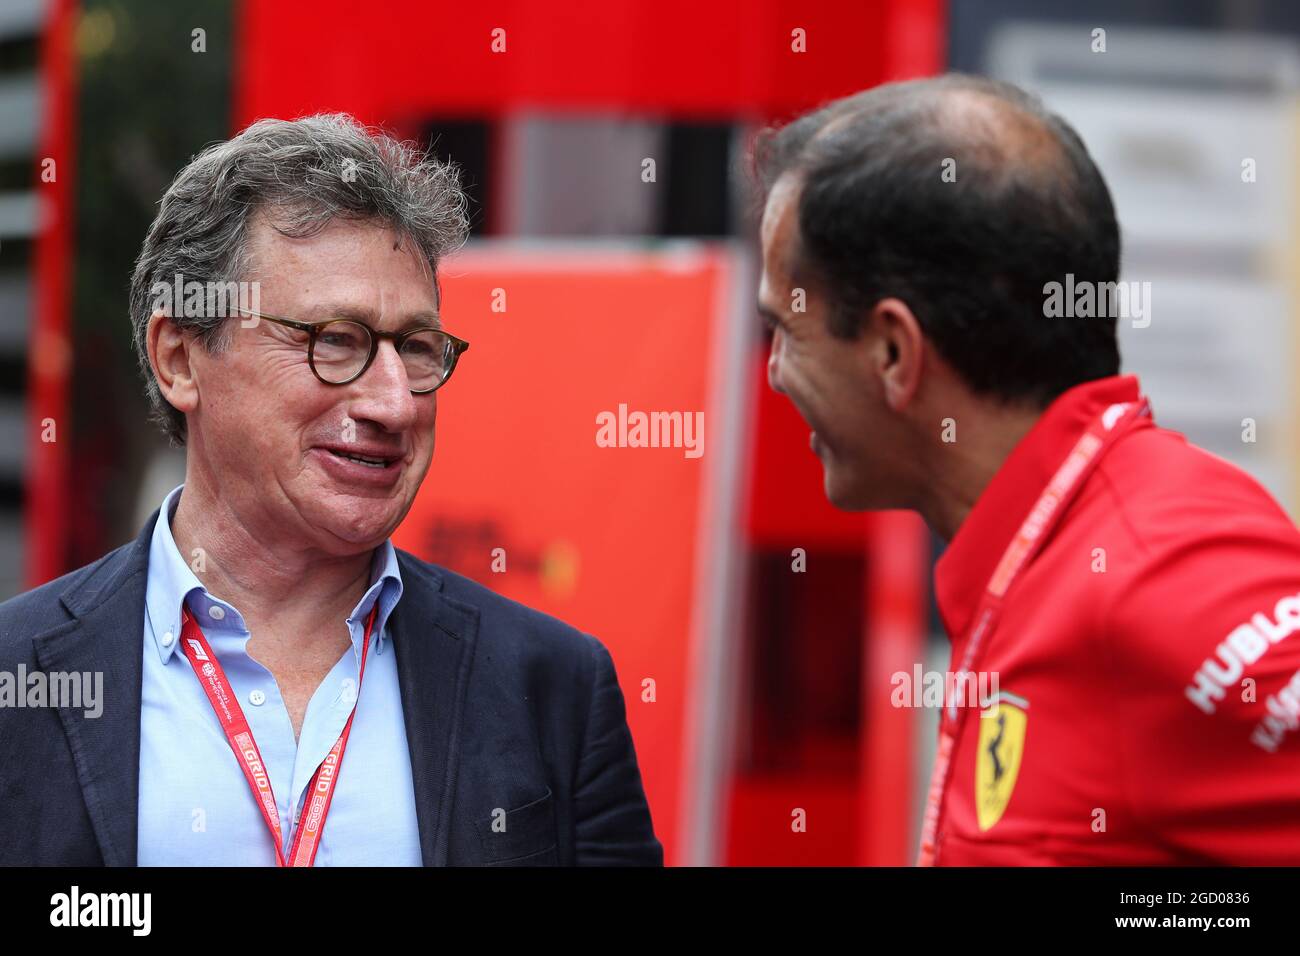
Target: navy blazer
{"points": [[504, 706]]}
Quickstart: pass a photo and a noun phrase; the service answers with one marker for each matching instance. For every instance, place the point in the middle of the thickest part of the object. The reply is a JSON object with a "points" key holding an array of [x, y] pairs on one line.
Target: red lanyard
{"points": [[240, 736], [1036, 528]]}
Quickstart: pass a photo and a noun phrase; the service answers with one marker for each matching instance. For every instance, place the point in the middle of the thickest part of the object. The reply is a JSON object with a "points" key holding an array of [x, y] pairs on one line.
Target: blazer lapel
{"points": [[434, 639], [106, 635]]}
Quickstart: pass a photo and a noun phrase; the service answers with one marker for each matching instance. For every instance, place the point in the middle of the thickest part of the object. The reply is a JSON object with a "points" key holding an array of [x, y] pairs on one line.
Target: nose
{"points": [[383, 392], [774, 364]]}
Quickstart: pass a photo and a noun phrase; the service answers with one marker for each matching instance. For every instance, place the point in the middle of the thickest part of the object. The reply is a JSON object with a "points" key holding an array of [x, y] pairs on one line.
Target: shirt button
{"points": [[349, 691], [256, 698], [167, 639], [216, 612]]}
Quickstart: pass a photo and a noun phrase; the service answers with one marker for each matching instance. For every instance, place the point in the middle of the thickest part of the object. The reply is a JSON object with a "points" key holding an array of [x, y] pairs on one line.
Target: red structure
{"points": [[416, 58], [50, 352]]}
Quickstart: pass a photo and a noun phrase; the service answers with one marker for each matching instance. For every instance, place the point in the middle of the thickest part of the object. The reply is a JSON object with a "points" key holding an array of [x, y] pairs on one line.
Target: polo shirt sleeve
{"points": [[1203, 636]]}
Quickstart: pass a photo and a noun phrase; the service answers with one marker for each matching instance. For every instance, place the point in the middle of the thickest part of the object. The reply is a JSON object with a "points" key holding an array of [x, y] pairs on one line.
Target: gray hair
{"points": [[307, 172]]}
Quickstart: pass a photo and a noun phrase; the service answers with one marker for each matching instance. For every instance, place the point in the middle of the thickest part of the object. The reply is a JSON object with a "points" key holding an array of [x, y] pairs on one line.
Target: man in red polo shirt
{"points": [[1137, 599]]}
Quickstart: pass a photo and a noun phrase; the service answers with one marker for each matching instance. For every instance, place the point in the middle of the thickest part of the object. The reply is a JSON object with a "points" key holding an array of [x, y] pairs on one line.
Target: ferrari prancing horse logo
{"points": [[997, 761]]}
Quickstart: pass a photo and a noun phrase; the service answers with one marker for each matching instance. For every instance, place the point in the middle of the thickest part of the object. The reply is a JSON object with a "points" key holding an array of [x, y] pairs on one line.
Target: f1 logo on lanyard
{"points": [[239, 735]]}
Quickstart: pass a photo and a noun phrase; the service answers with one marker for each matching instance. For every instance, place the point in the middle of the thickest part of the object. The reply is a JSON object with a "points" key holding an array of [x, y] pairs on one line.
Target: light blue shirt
{"points": [[196, 808]]}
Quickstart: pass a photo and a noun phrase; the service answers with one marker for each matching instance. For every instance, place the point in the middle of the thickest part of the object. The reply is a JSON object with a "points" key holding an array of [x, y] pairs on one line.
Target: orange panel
{"points": [[604, 538]]}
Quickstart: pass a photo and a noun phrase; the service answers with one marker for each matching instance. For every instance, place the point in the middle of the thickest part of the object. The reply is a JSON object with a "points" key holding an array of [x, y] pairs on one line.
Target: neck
{"points": [[959, 471], [280, 587]]}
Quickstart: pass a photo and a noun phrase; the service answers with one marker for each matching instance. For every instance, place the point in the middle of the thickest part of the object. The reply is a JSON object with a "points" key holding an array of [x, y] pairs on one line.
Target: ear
{"points": [[898, 351], [169, 354]]}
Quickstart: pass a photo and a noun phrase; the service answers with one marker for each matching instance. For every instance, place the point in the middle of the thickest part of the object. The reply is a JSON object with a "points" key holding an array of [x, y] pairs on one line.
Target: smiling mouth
{"points": [[362, 459]]}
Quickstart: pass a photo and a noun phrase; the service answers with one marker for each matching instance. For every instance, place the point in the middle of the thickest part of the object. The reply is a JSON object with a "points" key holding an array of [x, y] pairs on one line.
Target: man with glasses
{"points": [[262, 627]]}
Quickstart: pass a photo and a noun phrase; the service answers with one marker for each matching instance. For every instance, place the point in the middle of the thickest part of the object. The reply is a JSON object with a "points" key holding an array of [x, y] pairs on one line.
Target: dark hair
{"points": [[970, 257]]}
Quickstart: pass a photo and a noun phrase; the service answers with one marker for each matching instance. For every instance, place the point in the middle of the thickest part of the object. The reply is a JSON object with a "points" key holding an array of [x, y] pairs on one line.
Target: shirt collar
{"points": [[385, 587], [962, 573], [172, 583]]}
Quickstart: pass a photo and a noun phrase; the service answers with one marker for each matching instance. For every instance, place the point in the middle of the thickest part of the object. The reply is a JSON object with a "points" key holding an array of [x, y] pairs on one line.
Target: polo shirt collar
{"points": [[172, 584], [962, 573]]}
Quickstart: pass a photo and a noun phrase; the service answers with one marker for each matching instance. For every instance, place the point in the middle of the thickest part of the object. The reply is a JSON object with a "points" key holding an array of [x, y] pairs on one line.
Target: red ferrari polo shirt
{"points": [[1147, 659]]}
